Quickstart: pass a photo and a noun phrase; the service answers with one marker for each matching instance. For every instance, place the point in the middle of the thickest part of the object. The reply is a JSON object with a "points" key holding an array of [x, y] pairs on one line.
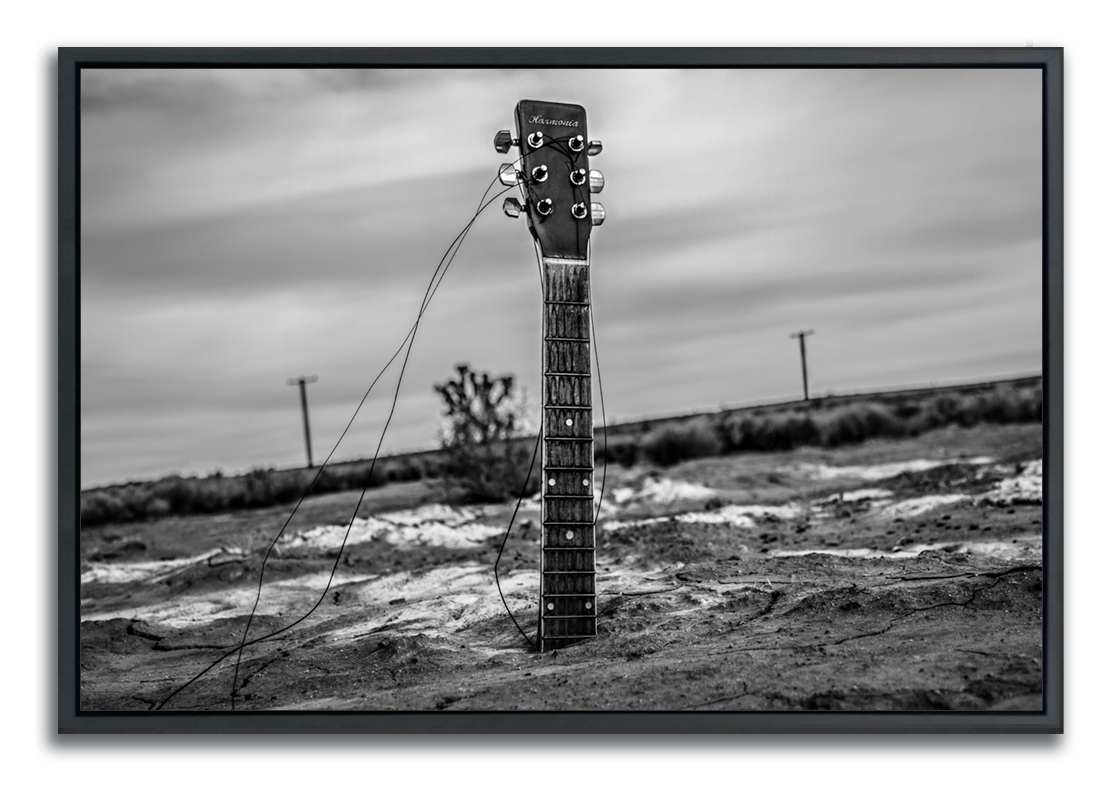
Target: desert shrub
{"points": [[1006, 404], [621, 450], [771, 432], [856, 423], [485, 461], [782, 432], [673, 443], [907, 410]]}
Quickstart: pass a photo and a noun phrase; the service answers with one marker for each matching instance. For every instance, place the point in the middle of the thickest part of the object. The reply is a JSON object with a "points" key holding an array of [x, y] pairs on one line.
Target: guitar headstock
{"points": [[554, 176]]}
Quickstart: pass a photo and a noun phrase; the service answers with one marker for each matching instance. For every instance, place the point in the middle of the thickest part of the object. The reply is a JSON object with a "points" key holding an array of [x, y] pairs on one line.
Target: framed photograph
{"points": [[560, 390]]}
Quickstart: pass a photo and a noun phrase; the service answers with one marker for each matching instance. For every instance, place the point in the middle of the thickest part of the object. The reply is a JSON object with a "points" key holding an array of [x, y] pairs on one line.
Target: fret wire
{"points": [[578, 497], [566, 302], [566, 407], [571, 439], [565, 338], [570, 596], [586, 615], [567, 374], [556, 467]]}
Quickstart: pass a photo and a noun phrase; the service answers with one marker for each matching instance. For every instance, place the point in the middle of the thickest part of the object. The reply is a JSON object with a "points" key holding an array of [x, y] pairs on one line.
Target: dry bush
{"points": [[486, 460], [670, 444]]}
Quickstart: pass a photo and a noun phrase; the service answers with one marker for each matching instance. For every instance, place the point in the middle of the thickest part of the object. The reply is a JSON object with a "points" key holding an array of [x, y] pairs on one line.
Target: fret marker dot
{"points": [[551, 482], [569, 534], [585, 482], [588, 605], [550, 606], [569, 422]]}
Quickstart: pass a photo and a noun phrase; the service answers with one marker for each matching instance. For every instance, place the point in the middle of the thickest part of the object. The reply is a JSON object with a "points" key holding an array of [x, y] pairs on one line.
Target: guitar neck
{"points": [[568, 601]]}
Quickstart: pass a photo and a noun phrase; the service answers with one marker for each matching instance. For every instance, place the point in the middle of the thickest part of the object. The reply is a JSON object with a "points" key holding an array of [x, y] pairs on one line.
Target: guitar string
{"points": [[600, 386], [427, 297], [523, 491], [431, 289], [458, 240]]}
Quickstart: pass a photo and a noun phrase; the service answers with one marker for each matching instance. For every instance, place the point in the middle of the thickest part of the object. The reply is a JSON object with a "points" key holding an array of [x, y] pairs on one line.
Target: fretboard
{"points": [[568, 593]]}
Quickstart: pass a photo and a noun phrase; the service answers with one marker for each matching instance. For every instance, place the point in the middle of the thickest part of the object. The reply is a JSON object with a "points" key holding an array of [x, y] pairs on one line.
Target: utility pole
{"points": [[301, 383], [801, 336]]}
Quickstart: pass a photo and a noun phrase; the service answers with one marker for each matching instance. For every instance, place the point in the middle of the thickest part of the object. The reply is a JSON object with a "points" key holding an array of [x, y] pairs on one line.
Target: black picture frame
{"points": [[71, 720]]}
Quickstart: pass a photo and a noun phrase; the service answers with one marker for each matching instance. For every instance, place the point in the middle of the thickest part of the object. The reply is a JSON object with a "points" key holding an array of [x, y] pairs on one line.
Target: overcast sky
{"points": [[242, 227]]}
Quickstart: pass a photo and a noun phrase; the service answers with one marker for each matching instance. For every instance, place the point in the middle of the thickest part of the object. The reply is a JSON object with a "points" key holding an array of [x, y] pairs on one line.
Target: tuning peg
{"points": [[598, 214], [508, 175], [596, 180], [504, 141], [595, 147], [512, 207]]}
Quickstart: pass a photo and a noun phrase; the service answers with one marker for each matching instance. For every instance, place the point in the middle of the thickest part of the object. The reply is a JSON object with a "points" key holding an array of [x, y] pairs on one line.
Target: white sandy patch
{"points": [[662, 490], [855, 496], [1026, 488], [916, 506], [440, 525], [880, 472], [438, 603], [291, 597], [737, 515], [147, 571], [1027, 547]]}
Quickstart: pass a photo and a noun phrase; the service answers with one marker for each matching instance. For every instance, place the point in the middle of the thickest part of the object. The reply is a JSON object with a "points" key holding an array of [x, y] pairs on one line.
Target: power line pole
{"points": [[301, 383], [801, 336]]}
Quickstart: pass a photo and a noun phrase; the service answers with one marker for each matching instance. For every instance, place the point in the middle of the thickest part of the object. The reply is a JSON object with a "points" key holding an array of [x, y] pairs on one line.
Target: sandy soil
{"points": [[894, 575]]}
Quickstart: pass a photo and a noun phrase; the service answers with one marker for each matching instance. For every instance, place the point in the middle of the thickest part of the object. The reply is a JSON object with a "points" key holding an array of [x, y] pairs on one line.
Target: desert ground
{"points": [[893, 575]]}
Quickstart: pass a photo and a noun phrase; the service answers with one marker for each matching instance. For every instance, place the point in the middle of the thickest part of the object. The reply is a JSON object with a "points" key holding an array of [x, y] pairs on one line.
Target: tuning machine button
{"points": [[512, 207], [598, 214], [544, 207], [508, 175], [504, 141], [595, 147], [596, 180]]}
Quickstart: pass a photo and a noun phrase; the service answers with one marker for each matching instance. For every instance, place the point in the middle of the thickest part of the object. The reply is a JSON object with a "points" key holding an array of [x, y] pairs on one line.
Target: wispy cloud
{"points": [[240, 227]]}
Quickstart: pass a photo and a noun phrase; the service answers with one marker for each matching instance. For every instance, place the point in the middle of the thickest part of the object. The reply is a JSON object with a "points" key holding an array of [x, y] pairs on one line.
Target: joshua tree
{"points": [[482, 420]]}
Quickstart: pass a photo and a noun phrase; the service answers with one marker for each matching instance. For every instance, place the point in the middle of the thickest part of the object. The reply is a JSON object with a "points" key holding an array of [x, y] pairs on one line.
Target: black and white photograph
{"points": [[537, 389]]}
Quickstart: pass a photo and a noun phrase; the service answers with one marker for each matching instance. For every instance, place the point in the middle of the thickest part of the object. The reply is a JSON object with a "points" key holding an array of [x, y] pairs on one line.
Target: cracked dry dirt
{"points": [[896, 575]]}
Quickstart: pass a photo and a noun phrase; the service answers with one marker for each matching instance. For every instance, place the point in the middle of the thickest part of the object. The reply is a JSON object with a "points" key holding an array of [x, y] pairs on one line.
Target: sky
{"points": [[243, 227]]}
